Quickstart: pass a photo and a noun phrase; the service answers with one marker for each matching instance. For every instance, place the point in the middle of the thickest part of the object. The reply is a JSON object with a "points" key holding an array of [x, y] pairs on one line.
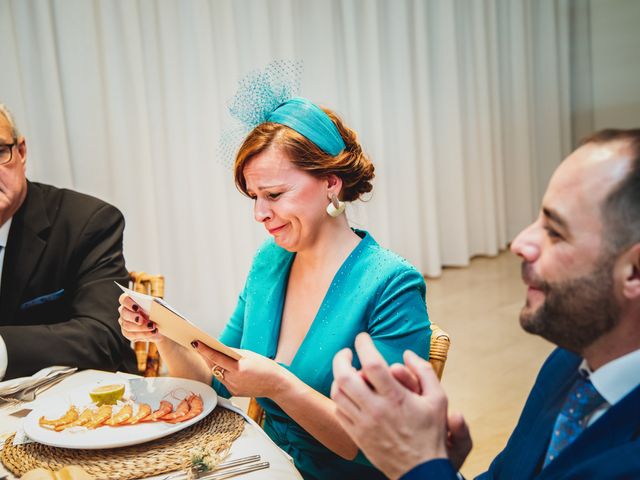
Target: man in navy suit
{"points": [[581, 263], [60, 253]]}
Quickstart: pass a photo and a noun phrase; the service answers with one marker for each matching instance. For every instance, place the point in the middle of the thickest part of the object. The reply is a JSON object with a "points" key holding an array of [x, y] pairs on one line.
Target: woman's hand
{"points": [[252, 376], [135, 324]]}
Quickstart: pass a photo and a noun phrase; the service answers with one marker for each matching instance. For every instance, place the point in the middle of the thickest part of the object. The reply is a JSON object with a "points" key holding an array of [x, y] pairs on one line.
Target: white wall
{"points": [[615, 47]]}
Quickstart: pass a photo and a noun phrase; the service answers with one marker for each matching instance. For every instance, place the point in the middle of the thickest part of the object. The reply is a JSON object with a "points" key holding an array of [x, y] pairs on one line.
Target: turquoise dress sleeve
{"points": [[231, 336], [396, 324], [374, 291]]}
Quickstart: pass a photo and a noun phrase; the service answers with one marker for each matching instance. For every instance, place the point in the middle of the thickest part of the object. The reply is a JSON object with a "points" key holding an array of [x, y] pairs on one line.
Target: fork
{"points": [[29, 394]]}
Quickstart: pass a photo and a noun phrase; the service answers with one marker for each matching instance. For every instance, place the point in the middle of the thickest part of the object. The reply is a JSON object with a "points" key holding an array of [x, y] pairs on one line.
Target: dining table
{"points": [[252, 441]]}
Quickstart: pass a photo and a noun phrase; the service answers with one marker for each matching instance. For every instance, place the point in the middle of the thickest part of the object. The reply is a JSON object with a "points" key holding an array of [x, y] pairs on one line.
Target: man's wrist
{"points": [[440, 468], [400, 464]]}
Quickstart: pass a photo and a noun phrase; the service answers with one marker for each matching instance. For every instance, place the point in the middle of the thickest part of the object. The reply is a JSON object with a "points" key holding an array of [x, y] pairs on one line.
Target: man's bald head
{"points": [[621, 208]]}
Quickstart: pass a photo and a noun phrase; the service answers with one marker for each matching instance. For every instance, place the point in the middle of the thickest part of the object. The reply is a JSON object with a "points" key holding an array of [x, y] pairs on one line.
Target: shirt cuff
{"points": [[439, 468], [4, 359]]}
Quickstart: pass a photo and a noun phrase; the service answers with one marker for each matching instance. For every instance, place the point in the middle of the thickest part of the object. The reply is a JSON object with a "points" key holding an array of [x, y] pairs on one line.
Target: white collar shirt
{"points": [[4, 236], [614, 380]]}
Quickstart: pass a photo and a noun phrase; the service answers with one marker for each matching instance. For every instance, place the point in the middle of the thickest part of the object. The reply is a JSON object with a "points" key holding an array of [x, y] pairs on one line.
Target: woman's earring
{"points": [[335, 207]]}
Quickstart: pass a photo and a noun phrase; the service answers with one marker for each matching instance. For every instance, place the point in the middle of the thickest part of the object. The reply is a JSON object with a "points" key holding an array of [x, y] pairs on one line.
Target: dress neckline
{"points": [[277, 324]]}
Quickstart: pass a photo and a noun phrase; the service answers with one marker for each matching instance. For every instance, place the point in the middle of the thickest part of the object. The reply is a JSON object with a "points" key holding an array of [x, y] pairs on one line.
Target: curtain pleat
{"points": [[463, 106]]}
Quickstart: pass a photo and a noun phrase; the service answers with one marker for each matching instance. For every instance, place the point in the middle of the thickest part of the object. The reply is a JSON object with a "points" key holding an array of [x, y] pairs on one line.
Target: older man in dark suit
{"points": [[581, 262], [60, 253]]}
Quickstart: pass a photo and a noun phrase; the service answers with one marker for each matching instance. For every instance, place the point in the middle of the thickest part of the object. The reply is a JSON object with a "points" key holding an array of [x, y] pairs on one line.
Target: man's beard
{"points": [[576, 312]]}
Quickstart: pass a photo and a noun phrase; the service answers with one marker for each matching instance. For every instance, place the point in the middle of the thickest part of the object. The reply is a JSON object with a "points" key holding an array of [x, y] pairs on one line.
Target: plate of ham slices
{"points": [[135, 411]]}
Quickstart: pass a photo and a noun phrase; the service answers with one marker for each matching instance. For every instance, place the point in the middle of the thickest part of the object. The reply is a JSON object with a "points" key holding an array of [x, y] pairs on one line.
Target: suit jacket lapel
{"points": [[525, 450], [538, 441], [26, 242], [618, 425]]}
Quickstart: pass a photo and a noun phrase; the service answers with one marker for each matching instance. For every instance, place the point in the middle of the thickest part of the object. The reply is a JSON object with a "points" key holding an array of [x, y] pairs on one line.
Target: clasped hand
{"points": [[398, 415]]}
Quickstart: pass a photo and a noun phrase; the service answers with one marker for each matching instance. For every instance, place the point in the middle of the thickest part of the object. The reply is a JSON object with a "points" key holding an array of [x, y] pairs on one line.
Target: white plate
{"points": [[140, 390]]}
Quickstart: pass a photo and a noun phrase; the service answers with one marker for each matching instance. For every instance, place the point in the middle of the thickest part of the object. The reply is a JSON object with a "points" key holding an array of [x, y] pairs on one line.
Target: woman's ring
{"points": [[218, 372]]}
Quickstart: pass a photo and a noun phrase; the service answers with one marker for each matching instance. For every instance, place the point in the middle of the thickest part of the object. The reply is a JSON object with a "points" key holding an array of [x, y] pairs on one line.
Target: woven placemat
{"points": [[217, 431]]}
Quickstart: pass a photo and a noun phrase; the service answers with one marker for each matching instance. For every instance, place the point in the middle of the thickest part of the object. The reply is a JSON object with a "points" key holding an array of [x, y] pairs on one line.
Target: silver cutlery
{"points": [[29, 394], [237, 462], [27, 382], [234, 472], [223, 469]]}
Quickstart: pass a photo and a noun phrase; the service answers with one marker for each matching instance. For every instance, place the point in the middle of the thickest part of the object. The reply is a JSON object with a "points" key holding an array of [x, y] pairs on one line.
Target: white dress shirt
{"points": [[614, 381], [4, 235]]}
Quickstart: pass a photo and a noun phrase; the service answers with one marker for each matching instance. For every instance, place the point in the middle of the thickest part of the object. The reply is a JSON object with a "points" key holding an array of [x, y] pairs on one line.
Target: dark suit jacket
{"points": [[58, 302], [608, 449]]}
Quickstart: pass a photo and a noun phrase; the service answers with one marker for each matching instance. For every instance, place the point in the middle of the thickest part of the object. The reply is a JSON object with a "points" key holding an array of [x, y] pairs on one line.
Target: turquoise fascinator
{"points": [[269, 95]]}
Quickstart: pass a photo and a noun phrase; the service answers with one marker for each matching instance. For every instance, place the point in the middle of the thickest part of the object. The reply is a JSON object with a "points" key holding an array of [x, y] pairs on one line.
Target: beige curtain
{"points": [[463, 106]]}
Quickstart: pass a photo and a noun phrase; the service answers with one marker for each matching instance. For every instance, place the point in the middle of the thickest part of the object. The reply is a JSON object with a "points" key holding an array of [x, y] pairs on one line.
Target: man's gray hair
{"points": [[4, 111]]}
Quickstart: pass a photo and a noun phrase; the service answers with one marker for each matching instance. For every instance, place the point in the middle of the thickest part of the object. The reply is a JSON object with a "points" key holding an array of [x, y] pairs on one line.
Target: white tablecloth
{"points": [[252, 441]]}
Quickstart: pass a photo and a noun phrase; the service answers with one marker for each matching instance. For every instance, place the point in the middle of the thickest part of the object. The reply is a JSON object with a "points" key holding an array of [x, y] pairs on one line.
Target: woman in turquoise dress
{"points": [[313, 286]]}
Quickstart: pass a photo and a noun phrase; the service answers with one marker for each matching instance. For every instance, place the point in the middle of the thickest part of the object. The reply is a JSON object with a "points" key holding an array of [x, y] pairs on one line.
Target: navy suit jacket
{"points": [[58, 300], [608, 449]]}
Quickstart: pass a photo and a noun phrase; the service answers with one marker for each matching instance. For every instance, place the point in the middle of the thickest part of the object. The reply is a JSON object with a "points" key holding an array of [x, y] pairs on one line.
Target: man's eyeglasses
{"points": [[6, 152]]}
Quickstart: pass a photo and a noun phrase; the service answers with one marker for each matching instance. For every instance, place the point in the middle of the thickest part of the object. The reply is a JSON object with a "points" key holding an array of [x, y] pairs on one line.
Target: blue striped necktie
{"points": [[582, 401]]}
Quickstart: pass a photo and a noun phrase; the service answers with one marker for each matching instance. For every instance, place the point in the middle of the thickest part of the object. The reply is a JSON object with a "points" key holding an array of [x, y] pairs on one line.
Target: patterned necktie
{"points": [[583, 399]]}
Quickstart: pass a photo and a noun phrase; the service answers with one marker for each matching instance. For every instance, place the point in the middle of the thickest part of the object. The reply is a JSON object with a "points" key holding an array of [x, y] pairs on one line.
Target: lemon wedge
{"points": [[107, 394]]}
